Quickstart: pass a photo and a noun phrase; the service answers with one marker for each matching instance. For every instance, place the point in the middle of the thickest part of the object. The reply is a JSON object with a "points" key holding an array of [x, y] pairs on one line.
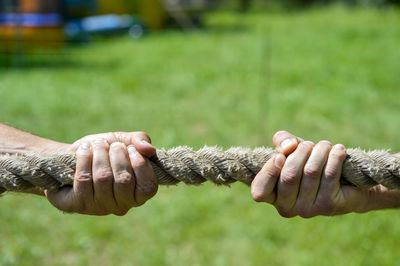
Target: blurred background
{"points": [[195, 73]]}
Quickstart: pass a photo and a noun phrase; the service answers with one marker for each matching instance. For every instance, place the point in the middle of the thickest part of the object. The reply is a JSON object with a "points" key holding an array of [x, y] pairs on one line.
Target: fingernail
{"points": [[288, 142], [340, 147], [309, 143], [132, 151], [279, 160], [144, 142]]}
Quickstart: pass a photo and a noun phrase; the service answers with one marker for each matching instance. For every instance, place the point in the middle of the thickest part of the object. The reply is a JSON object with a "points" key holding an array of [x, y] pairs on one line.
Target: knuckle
{"points": [[121, 212], [83, 175], [331, 172], [147, 190], [312, 171], [123, 177], [289, 177], [258, 196], [285, 213], [307, 215], [103, 174]]}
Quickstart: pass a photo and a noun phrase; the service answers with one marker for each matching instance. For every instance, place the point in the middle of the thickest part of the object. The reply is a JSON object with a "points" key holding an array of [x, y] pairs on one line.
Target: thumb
{"points": [[63, 198], [144, 147], [285, 142], [263, 185]]}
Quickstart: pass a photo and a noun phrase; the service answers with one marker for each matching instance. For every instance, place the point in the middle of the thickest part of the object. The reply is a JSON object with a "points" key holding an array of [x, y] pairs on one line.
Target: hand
{"points": [[140, 140], [307, 182], [112, 175]]}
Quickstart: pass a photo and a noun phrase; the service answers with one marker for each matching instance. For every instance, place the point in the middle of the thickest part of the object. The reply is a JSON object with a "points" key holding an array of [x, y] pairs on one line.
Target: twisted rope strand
{"points": [[183, 164]]}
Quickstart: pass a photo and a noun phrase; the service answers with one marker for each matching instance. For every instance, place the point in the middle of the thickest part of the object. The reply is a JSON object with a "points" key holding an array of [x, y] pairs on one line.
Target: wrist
{"points": [[381, 197], [53, 147]]}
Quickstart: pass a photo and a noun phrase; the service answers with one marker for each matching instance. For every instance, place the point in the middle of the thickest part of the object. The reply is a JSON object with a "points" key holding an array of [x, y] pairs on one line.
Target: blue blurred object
{"points": [[82, 30], [9, 19], [31, 20], [41, 20]]}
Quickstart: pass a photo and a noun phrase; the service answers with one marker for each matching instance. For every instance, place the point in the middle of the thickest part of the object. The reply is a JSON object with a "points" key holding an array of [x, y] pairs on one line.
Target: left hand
{"points": [[139, 139], [112, 175]]}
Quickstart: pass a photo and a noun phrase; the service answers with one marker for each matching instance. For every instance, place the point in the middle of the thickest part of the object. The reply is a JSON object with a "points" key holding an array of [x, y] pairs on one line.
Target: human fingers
{"points": [[83, 180], [62, 198], [285, 142], [103, 177], [108, 137], [124, 178], [146, 182], [78, 198], [142, 143], [330, 181], [263, 185], [289, 181], [311, 178], [140, 139]]}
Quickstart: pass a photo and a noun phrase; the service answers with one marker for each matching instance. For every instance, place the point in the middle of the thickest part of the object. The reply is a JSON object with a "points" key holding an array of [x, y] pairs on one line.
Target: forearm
{"points": [[383, 198], [13, 140]]}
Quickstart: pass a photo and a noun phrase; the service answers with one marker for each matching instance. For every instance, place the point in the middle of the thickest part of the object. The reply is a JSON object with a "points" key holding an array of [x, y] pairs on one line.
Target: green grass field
{"points": [[323, 73]]}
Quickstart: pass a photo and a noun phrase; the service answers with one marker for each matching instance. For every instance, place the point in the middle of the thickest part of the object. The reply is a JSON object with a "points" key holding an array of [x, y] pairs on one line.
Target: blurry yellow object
{"points": [[153, 13], [30, 39], [6, 38], [112, 7]]}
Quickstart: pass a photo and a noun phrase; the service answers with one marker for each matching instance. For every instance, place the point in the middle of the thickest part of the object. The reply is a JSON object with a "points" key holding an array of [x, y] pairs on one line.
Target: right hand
{"points": [[113, 174]]}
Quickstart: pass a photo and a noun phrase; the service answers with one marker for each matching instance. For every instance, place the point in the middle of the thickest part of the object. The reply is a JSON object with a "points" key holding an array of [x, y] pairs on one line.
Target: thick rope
{"points": [[183, 164]]}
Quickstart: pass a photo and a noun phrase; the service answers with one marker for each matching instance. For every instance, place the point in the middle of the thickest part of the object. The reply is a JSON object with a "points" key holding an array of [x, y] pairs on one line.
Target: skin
{"points": [[303, 179], [113, 173]]}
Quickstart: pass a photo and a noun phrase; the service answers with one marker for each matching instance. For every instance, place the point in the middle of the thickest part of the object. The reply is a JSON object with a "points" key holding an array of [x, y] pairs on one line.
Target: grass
{"points": [[329, 73]]}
